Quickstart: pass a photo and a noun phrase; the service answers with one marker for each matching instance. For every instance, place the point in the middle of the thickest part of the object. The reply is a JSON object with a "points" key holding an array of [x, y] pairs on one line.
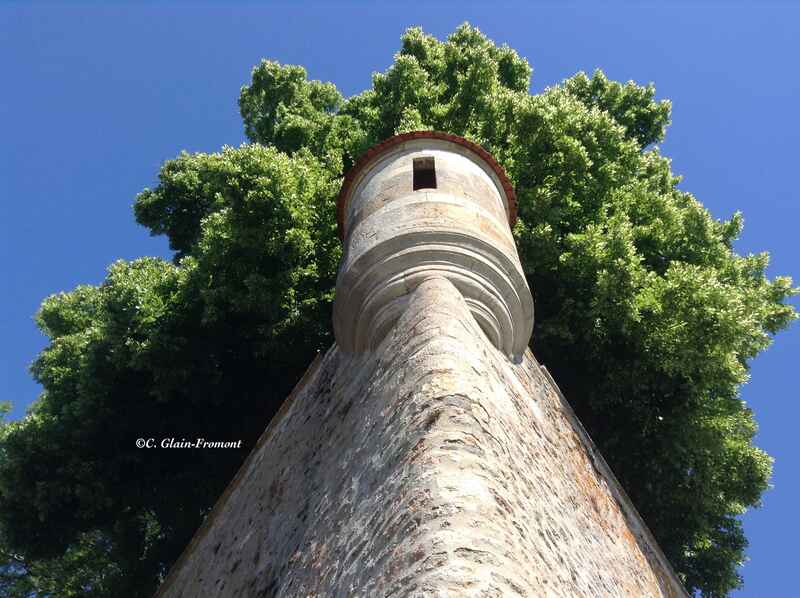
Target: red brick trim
{"points": [[379, 148]]}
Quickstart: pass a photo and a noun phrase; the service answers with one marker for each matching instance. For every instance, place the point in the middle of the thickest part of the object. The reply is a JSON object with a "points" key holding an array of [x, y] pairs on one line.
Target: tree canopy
{"points": [[645, 314]]}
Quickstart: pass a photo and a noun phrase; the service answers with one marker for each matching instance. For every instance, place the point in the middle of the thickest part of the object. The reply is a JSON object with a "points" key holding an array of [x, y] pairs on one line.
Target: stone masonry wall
{"points": [[430, 467]]}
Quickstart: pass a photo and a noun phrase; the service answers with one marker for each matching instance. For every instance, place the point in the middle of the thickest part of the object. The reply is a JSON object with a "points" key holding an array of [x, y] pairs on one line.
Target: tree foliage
{"points": [[645, 314]]}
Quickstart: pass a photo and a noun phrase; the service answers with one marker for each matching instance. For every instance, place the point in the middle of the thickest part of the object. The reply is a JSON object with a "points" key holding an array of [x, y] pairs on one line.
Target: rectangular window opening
{"points": [[424, 173]]}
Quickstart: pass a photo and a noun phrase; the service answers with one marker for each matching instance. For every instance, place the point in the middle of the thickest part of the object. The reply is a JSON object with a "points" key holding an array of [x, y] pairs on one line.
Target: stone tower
{"points": [[426, 453]]}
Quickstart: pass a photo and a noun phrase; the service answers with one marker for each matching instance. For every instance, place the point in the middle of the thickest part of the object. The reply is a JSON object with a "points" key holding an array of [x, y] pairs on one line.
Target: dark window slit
{"points": [[424, 173]]}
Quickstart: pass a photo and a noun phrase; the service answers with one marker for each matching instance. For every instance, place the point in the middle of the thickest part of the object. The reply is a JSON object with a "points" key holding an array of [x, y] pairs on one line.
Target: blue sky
{"points": [[94, 97]]}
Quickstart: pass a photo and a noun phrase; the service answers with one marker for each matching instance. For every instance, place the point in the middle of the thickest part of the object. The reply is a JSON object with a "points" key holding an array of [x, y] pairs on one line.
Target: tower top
{"points": [[395, 143], [427, 204]]}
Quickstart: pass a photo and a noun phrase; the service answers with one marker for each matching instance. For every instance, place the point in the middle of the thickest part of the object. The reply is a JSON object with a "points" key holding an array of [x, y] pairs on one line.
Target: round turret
{"points": [[428, 204]]}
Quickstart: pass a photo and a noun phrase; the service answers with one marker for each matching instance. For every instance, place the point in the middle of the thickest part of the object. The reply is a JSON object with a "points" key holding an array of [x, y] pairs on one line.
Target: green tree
{"points": [[645, 314]]}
